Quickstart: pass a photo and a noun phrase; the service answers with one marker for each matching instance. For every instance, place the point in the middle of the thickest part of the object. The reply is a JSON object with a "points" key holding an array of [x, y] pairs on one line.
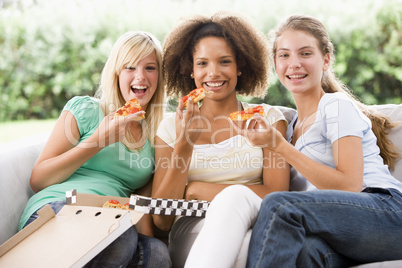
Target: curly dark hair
{"points": [[249, 45]]}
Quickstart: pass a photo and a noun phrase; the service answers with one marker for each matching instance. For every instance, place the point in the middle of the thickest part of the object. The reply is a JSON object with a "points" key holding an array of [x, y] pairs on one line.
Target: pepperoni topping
{"points": [[254, 110], [134, 110], [184, 99], [194, 94]]}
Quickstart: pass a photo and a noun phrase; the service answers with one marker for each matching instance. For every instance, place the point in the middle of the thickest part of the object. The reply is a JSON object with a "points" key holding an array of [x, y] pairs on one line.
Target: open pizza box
{"points": [[71, 238]]}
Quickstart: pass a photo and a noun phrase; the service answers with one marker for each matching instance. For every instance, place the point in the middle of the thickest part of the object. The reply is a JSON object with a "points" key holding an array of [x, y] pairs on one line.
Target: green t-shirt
{"points": [[114, 171]]}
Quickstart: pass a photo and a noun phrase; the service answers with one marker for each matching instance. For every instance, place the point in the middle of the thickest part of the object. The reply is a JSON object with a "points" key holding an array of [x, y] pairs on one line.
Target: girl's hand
{"points": [[112, 129], [189, 124], [261, 134]]}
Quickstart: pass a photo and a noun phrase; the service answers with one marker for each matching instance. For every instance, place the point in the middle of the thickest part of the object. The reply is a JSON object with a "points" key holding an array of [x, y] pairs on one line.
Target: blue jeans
{"points": [[131, 249], [327, 229]]}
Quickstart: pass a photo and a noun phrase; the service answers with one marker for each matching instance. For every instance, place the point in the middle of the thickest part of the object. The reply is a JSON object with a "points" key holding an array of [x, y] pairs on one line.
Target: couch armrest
{"points": [[16, 162]]}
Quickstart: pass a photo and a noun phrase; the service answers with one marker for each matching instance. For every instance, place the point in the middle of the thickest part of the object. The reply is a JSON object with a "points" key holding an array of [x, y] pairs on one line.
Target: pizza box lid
{"points": [[71, 238]]}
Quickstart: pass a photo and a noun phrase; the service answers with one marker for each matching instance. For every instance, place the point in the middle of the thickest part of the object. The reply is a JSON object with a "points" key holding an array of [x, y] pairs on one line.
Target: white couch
{"points": [[18, 157]]}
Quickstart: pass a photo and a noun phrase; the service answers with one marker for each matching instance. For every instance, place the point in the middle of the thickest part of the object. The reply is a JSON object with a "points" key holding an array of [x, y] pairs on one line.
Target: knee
{"points": [[160, 249], [233, 203], [160, 256], [275, 199], [126, 244], [233, 195], [316, 253], [281, 204]]}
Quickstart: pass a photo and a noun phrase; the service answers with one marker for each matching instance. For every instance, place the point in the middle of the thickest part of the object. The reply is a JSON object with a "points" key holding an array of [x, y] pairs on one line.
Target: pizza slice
{"points": [[131, 107], [126, 206], [112, 204], [197, 95], [246, 114]]}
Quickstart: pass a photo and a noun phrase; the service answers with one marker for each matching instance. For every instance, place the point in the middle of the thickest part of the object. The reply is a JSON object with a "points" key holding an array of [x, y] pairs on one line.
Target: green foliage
{"points": [[44, 64], [53, 50], [369, 60]]}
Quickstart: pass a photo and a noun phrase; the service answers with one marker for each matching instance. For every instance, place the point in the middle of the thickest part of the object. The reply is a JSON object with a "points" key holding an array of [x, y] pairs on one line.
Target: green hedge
{"points": [[53, 50]]}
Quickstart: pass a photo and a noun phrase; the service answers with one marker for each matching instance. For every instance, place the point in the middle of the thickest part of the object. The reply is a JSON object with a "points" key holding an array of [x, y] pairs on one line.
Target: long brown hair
{"points": [[381, 124]]}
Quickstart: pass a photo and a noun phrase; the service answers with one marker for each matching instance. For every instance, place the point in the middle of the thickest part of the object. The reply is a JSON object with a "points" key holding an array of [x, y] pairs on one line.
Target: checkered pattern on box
{"points": [[170, 207], [71, 196]]}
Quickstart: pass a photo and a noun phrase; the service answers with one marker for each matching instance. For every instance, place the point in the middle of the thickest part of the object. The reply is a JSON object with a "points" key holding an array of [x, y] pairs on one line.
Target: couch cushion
{"points": [[394, 112], [16, 162]]}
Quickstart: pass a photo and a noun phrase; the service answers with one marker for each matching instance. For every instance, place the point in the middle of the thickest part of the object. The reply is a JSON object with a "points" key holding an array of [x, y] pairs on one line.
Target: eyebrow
{"points": [[298, 49], [223, 57]]}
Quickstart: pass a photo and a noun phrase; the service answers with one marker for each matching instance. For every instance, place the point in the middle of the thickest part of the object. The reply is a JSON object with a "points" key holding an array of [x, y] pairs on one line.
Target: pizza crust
{"points": [[246, 114], [197, 95]]}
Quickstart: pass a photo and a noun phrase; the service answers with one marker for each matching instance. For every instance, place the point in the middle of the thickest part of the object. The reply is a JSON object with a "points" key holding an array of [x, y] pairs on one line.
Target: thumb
{"points": [[262, 121], [180, 106], [179, 110], [238, 129]]}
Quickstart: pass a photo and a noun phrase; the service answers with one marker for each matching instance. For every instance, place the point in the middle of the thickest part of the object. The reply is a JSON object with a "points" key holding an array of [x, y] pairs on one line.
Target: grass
{"points": [[14, 130]]}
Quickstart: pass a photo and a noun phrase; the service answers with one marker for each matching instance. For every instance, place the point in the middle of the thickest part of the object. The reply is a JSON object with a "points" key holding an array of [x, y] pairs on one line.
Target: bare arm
{"points": [[146, 225], [61, 156], [276, 172], [170, 177], [347, 152], [275, 177], [348, 175], [172, 164]]}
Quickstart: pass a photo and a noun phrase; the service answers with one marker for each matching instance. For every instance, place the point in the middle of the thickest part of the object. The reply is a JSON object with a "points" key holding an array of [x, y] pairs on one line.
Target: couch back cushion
{"points": [[394, 112], [17, 159]]}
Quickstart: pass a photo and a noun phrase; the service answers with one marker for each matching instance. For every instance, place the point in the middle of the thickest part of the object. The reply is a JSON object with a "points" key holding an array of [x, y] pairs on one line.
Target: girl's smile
{"points": [[215, 66], [140, 81], [299, 62]]}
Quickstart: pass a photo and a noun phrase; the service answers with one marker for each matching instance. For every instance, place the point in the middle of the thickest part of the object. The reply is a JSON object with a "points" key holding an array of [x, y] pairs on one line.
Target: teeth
{"points": [[138, 87], [211, 84], [296, 76]]}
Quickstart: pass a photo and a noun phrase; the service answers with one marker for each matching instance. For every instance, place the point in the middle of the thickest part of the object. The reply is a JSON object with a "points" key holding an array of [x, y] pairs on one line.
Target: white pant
{"points": [[224, 238]]}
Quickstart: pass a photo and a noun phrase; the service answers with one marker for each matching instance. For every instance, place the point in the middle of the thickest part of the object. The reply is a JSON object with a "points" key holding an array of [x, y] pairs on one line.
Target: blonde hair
{"points": [[129, 49], [381, 125], [249, 45]]}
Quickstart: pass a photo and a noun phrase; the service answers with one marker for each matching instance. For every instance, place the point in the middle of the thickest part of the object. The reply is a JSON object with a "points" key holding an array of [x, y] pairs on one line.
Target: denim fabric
{"points": [[119, 253], [327, 228], [131, 249], [56, 206], [151, 252]]}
